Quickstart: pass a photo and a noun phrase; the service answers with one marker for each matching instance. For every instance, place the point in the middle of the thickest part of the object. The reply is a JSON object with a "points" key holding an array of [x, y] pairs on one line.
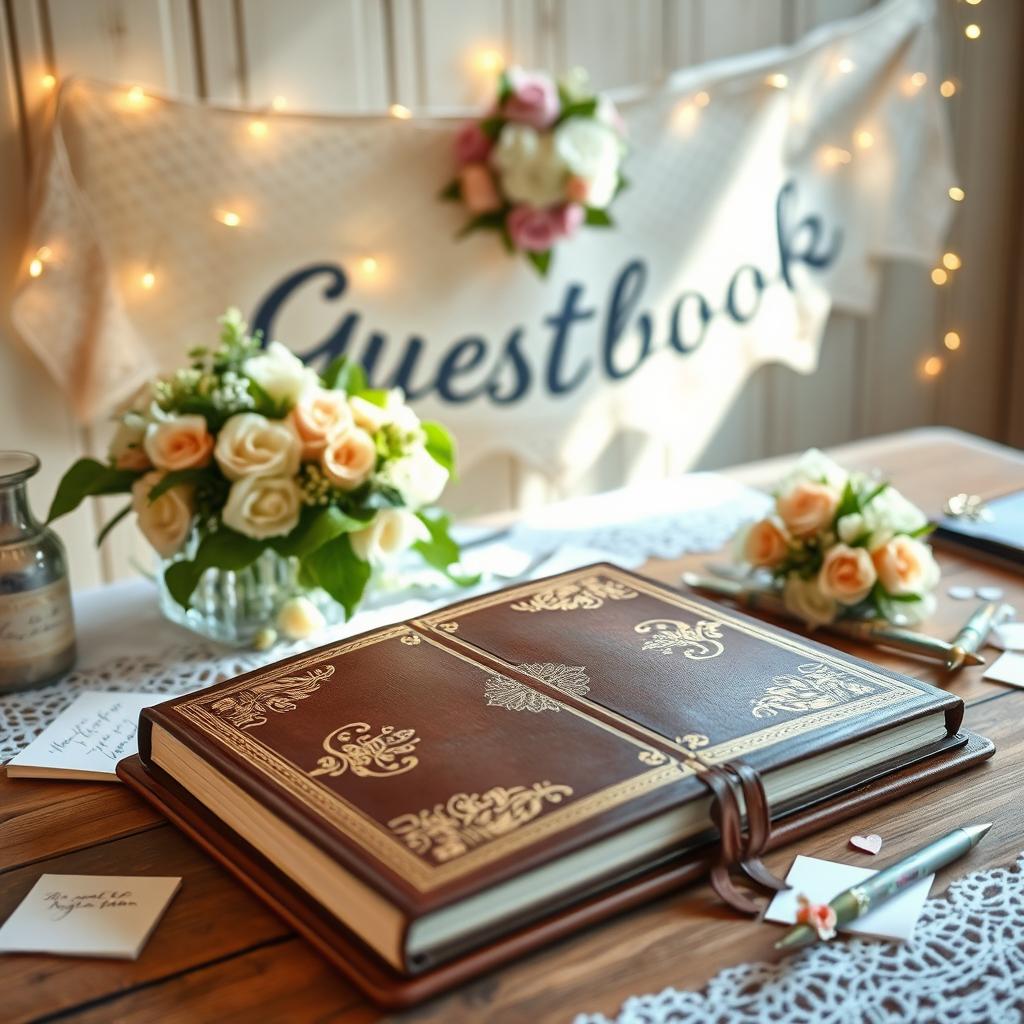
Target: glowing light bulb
{"points": [[864, 139], [147, 280], [939, 276], [974, 3], [948, 88], [932, 366], [957, 194], [972, 31], [684, 117], [228, 218], [702, 99], [44, 252], [489, 61], [48, 81], [951, 261], [136, 96], [369, 265], [844, 65], [918, 79], [397, 110], [279, 103], [35, 268], [833, 156], [951, 341], [777, 80], [258, 129]]}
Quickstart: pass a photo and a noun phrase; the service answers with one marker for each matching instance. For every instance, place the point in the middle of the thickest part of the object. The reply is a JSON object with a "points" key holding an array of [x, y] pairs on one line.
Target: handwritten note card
{"points": [[88, 915], [86, 740]]}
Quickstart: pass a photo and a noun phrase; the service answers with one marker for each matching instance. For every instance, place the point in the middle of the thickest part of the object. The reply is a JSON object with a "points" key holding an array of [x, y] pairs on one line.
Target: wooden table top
{"points": [[219, 955]]}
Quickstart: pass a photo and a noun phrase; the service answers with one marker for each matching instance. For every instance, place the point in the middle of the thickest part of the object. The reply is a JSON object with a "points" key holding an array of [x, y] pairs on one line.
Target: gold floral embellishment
{"points": [[351, 747], [652, 757], [411, 639], [248, 707], [698, 642], [468, 820], [813, 687], [503, 692], [588, 593]]}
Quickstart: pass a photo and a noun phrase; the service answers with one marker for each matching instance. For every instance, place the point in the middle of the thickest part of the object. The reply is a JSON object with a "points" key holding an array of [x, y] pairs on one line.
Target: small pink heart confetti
{"points": [[869, 844]]}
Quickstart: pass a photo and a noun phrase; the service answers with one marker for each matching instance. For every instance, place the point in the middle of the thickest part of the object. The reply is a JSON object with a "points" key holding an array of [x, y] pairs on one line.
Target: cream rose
{"points": [[181, 442], [348, 458], [807, 507], [251, 445], [127, 446], [529, 166], [165, 522], [805, 600], [906, 566], [263, 506], [317, 415], [765, 544], [391, 532], [372, 417], [847, 574], [417, 477], [280, 373]]}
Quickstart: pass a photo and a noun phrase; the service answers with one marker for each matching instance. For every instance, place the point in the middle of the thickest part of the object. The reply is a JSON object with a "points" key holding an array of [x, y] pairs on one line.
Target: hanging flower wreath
{"points": [[545, 161]]}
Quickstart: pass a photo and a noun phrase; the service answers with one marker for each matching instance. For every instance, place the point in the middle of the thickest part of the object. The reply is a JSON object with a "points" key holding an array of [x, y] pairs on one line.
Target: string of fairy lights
{"points": [[488, 62]]}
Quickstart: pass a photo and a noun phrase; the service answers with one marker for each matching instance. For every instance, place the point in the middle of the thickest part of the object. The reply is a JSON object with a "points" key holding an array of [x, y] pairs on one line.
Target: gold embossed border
{"points": [[895, 691], [371, 835]]}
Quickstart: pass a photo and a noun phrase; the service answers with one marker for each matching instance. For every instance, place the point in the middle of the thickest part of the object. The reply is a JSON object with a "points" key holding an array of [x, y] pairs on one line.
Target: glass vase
{"points": [[235, 607]]}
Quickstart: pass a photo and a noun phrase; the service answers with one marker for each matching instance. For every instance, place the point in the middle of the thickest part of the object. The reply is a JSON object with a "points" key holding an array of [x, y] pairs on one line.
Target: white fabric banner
{"points": [[763, 191]]}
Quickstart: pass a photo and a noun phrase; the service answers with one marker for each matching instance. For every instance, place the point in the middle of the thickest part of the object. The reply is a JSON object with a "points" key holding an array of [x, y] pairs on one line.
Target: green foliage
{"points": [[493, 221], [222, 549], [451, 191], [596, 218], [504, 87], [317, 526], [440, 446], [87, 478], [541, 261], [491, 127], [578, 108], [344, 374], [179, 477], [441, 552], [335, 567], [102, 535]]}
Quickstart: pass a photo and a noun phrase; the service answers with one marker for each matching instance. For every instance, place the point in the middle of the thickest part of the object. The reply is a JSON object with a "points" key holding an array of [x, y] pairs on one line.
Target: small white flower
{"points": [[850, 527], [391, 532], [281, 374], [417, 477], [590, 150], [531, 170], [300, 618], [815, 466]]}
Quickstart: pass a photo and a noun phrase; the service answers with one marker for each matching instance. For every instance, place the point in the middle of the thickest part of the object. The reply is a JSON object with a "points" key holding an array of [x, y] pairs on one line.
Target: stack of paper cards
{"points": [[86, 740], [822, 880], [88, 915]]}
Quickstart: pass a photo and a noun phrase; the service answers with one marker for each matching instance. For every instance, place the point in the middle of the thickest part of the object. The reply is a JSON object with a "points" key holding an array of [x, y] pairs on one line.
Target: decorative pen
{"points": [[872, 631], [890, 881], [974, 633]]}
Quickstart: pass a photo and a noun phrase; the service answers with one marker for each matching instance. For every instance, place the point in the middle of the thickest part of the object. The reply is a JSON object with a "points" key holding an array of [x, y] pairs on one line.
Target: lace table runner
{"points": [[964, 965], [125, 644]]}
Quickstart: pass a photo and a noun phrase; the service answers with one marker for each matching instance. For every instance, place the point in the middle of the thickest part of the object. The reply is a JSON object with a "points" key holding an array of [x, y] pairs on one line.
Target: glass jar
{"points": [[37, 629]]}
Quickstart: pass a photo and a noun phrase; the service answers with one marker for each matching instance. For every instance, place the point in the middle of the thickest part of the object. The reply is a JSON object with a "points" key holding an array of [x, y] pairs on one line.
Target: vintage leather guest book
{"points": [[426, 800]]}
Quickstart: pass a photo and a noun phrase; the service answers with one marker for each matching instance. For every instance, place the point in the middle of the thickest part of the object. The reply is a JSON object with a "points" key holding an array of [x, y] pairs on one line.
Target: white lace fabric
{"points": [[124, 643], [964, 964]]}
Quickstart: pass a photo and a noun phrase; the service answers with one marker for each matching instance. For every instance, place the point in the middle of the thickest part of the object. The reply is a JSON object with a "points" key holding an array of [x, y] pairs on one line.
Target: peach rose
{"points": [[165, 522], [317, 415], [807, 507], [847, 574], [181, 442], [906, 566], [477, 188], [348, 458], [765, 544]]}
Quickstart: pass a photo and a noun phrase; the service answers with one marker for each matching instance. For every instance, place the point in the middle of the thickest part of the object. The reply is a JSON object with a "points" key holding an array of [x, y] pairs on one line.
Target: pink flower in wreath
{"points": [[536, 230], [478, 190], [472, 146], [570, 218], [534, 99]]}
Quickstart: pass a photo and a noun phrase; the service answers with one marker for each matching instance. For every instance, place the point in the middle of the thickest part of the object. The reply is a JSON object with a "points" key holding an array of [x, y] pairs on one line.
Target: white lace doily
{"points": [[125, 644], [963, 965]]}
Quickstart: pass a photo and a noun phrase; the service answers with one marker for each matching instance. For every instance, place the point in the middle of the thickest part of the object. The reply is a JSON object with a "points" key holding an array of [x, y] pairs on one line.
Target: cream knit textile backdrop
{"points": [[713, 228]]}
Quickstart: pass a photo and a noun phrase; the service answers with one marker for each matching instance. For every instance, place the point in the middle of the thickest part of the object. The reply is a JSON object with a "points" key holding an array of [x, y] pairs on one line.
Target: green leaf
{"points": [[440, 446], [223, 549], [376, 396], [922, 531], [493, 221], [598, 218], [451, 191], [848, 503], [264, 404], [316, 527], [177, 477], [344, 374], [441, 552], [541, 261], [87, 478], [873, 494], [620, 185], [504, 87], [581, 108], [491, 127], [102, 535], [336, 568]]}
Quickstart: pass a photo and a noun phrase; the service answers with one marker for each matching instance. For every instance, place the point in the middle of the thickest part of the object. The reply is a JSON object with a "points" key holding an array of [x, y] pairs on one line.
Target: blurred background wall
{"points": [[350, 55]]}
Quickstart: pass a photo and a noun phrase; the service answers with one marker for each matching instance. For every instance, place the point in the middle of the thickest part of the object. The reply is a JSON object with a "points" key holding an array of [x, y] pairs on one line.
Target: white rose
{"points": [[251, 445], [805, 600], [531, 170], [348, 458], [851, 527], [417, 477], [263, 506], [815, 466], [181, 442], [591, 151], [889, 513], [165, 522], [317, 415], [910, 613], [300, 618], [126, 448], [391, 532], [281, 374], [371, 417]]}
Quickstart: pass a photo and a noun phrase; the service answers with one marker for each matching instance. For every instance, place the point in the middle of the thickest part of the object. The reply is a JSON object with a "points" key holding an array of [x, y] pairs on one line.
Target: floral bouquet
{"points": [[544, 161], [250, 451], [843, 545]]}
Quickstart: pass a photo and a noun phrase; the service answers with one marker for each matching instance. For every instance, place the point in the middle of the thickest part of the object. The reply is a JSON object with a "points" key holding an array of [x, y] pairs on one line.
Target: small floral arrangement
{"points": [[843, 545], [249, 449], [545, 160]]}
